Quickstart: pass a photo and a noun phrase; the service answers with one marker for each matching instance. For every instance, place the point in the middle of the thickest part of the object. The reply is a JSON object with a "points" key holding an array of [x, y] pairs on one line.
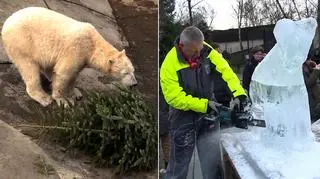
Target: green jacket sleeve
{"points": [[228, 75], [173, 92]]}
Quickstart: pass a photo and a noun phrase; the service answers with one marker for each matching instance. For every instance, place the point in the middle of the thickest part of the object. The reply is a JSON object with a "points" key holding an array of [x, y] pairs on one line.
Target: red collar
{"points": [[193, 62]]}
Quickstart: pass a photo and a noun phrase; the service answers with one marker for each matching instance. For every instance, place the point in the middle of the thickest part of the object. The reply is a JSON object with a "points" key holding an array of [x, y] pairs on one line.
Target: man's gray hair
{"points": [[191, 34]]}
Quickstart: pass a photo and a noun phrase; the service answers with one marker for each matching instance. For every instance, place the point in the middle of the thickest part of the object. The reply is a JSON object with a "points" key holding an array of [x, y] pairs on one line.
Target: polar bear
{"points": [[41, 41]]}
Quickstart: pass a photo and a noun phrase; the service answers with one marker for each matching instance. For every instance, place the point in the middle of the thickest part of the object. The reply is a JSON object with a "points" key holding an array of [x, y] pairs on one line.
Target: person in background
{"points": [[311, 74], [314, 54], [256, 57]]}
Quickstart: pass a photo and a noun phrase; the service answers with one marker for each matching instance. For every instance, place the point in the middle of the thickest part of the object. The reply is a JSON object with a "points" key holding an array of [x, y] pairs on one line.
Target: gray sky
{"points": [[224, 18]]}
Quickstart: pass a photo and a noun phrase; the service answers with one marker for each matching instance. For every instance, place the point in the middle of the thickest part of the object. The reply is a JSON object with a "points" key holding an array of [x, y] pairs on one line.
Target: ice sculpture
{"points": [[278, 86]]}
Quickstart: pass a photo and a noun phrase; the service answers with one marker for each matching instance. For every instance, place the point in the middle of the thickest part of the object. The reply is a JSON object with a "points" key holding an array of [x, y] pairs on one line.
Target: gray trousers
{"points": [[185, 136]]}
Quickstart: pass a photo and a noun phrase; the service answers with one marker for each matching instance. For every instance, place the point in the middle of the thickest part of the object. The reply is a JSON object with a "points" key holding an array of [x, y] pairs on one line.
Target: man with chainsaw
{"points": [[186, 78]]}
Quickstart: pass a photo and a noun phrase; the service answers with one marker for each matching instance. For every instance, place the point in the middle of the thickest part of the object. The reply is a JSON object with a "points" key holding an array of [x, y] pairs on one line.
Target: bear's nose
{"points": [[134, 84], [134, 81]]}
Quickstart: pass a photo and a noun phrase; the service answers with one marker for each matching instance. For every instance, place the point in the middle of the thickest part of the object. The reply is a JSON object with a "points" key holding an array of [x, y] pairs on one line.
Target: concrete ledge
{"points": [[22, 158]]}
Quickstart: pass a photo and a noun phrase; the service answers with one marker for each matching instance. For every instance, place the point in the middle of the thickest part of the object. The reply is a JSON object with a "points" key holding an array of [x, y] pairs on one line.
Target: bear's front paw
{"points": [[77, 95], [64, 102], [45, 101]]}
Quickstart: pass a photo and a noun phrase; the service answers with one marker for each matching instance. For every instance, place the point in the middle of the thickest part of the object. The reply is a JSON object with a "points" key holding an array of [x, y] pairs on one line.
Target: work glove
{"points": [[235, 104], [214, 106]]}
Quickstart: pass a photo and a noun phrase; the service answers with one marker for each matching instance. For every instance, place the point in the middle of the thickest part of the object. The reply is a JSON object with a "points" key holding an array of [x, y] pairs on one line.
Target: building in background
{"points": [[250, 36]]}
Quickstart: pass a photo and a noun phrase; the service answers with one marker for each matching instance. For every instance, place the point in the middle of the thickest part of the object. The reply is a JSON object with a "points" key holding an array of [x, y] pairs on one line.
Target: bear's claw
{"points": [[77, 95], [61, 101], [45, 101]]}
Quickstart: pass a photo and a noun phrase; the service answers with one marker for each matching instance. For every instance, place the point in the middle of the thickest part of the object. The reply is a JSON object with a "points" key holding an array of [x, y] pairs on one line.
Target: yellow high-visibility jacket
{"points": [[186, 89]]}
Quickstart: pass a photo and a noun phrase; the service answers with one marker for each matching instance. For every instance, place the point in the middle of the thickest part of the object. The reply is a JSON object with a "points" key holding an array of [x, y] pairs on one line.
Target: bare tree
{"points": [[295, 6], [211, 17], [190, 12], [312, 10], [250, 14], [316, 39], [203, 13], [290, 10], [238, 10], [190, 7], [307, 9], [318, 12], [313, 3], [199, 12], [263, 12], [283, 13], [317, 44], [180, 11]]}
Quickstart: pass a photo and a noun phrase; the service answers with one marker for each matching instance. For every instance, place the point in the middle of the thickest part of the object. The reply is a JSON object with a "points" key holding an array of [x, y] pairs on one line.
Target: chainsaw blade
{"points": [[257, 122]]}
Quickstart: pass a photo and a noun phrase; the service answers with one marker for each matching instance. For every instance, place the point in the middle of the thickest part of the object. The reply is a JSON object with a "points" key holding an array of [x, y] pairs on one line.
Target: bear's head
{"points": [[121, 69], [115, 64]]}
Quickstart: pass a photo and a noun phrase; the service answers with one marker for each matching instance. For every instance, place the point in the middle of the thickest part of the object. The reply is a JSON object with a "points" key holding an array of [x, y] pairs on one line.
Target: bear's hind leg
{"points": [[30, 74]]}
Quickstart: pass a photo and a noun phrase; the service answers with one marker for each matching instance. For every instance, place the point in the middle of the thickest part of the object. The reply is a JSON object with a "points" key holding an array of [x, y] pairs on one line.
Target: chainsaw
{"points": [[240, 118]]}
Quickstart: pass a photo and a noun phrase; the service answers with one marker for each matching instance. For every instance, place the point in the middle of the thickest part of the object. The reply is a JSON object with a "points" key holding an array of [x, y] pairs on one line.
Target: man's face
{"points": [[192, 50], [258, 56]]}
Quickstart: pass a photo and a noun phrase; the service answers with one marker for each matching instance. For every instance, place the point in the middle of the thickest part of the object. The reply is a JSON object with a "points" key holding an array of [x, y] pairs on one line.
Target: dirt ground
{"points": [[17, 108]]}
